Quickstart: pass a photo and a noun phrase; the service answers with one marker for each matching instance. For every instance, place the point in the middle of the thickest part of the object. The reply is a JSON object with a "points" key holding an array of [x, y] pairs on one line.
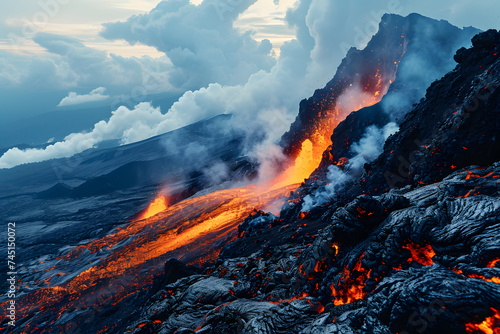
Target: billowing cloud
{"points": [[71, 64], [223, 69], [73, 98], [201, 41], [126, 125]]}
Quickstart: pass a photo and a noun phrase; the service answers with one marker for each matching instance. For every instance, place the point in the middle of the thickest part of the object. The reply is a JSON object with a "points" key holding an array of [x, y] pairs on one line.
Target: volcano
{"points": [[383, 216]]}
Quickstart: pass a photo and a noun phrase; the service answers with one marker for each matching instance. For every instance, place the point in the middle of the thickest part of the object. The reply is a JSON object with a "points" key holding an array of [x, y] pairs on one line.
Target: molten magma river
{"points": [[193, 230]]}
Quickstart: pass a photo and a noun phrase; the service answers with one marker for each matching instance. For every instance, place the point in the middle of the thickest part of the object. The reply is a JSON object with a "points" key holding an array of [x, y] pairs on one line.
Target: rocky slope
{"points": [[182, 154], [406, 55], [454, 126], [416, 256], [402, 261]]}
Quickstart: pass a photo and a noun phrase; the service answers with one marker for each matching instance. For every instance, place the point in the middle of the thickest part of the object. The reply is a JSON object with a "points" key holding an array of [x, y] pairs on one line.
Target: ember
{"points": [[421, 254], [351, 285], [490, 325]]}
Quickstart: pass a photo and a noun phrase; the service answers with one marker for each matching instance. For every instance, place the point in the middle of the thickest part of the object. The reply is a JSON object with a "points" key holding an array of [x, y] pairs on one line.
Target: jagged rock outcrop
{"points": [[420, 257], [403, 261], [428, 47], [407, 53], [454, 126]]}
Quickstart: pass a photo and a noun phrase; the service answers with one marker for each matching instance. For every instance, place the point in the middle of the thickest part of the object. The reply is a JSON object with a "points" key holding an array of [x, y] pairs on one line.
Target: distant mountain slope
{"points": [[174, 155], [58, 122]]}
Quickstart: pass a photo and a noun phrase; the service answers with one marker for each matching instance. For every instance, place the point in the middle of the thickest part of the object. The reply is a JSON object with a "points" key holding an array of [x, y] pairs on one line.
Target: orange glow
{"points": [[421, 254], [493, 279], [351, 285], [342, 161], [493, 263], [490, 325], [310, 154], [305, 163], [193, 230], [336, 247], [158, 205], [187, 230], [302, 215]]}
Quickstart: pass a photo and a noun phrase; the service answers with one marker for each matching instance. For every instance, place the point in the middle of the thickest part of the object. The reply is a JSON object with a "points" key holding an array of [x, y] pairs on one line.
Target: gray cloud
{"points": [[199, 40], [236, 74], [71, 64]]}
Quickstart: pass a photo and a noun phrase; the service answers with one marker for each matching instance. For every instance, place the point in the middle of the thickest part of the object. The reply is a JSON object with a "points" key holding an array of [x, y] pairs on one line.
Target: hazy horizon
{"points": [[191, 59]]}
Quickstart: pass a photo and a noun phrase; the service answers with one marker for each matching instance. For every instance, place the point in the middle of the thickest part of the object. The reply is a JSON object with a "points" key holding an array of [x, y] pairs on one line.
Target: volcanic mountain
{"points": [[364, 245], [420, 255]]}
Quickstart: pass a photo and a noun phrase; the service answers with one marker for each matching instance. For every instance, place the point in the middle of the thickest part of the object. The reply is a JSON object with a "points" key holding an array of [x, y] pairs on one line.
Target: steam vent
{"points": [[380, 213]]}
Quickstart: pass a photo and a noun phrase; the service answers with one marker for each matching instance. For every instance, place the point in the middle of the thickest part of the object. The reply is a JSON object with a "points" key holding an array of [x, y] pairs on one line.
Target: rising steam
{"points": [[366, 150]]}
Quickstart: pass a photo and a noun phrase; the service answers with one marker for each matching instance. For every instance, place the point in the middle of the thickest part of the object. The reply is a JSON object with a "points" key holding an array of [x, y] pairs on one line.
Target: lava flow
{"points": [[159, 204], [357, 95], [490, 325], [351, 285], [190, 230], [194, 230]]}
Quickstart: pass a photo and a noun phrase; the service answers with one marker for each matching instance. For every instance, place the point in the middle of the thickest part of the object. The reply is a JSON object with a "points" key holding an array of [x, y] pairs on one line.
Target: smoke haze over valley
{"points": [[250, 166]]}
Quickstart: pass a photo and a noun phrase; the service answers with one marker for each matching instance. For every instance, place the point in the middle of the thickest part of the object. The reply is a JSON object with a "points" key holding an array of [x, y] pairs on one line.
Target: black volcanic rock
{"points": [[419, 258], [256, 223], [383, 52], [175, 269], [429, 46], [415, 261], [407, 83], [454, 126], [401, 45]]}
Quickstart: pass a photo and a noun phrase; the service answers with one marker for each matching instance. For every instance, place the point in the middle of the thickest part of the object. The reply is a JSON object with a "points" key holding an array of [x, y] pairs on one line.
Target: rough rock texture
{"points": [[428, 47], [398, 43], [422, 257], [403, 261], [456, 125]]}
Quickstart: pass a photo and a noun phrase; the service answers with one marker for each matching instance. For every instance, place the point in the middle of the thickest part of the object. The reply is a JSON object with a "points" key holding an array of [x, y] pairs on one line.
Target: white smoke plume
{"points": [[259, 90], [366, 150], [125, 125]]}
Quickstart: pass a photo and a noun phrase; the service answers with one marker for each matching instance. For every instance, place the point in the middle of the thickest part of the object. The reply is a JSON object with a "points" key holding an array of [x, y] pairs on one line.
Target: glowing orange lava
{"points": [[351, 285], [490, 325], [354, 97], [193, 230], [493, 263], [187, 230], [421, 254], [492, 279], [159, 204]]}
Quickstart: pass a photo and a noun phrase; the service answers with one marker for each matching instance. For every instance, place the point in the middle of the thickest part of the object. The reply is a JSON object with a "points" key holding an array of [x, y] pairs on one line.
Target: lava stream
{"points": [[188, 230], [193, 230]]}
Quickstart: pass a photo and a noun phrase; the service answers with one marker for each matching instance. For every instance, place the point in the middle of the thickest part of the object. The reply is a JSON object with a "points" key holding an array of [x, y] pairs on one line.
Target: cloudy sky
{"points": [[256, 58]]}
